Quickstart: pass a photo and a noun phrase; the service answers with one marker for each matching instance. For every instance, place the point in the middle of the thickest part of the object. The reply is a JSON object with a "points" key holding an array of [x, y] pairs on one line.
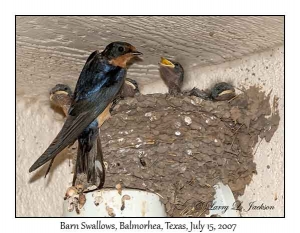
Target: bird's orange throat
{"points": [[122, 60]]}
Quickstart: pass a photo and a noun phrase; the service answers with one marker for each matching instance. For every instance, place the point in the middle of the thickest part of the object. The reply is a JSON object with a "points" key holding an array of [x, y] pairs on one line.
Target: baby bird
{"points": [[172, 73], [220, 92]]}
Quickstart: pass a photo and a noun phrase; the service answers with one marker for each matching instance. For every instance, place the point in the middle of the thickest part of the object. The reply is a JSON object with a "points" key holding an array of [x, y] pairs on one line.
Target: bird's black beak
{"points": [[136, 53]]}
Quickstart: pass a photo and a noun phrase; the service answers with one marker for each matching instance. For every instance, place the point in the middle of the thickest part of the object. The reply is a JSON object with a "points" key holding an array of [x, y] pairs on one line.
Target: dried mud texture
{"points": [[180, 146]]}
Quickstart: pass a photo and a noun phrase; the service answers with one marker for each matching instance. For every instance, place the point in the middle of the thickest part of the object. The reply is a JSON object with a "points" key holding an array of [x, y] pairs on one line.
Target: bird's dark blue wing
{"points": [[98, 84]]}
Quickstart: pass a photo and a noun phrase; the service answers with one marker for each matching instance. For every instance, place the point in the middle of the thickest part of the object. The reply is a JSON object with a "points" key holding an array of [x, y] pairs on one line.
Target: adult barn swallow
{"points": [[220, 92], [89, 162], [100, 81], [172, 73], [89, 155]]}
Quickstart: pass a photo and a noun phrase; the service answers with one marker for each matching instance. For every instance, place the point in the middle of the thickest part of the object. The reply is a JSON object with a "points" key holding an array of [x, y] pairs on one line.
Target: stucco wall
{"points": [[57, 53]]}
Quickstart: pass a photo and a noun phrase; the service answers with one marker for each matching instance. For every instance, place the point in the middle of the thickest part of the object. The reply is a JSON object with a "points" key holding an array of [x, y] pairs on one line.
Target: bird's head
{"points": [[133, 84], [120, 53], [60, 89], [130, 88], [176, 66], [222, 91], [168, 67]]}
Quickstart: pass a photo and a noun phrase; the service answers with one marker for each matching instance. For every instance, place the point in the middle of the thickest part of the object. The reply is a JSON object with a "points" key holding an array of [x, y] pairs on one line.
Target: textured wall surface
{"points": [[52, 50], [55, 48], [36, 128], [267, 71]]}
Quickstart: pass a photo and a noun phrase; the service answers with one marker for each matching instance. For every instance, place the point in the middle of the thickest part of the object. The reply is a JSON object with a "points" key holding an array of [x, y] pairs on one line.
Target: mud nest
{"points": [[181, 146]]}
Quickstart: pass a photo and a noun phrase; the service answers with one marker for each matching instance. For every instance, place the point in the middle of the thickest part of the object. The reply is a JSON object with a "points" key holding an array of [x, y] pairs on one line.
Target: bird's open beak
{"points": [[130, 84], [61, 93], [166, 62], [226, 92], [57, 93]]}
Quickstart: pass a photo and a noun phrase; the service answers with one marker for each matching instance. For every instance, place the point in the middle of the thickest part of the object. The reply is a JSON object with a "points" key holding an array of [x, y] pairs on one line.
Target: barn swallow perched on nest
{"points": [[100, 81], [220, 92], [172, 73], [89, 145], [89, 162]]}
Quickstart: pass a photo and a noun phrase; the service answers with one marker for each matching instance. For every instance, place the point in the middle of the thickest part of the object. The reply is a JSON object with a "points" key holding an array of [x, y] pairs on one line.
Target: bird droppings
{"points": [[71, 191], [81, 200], [76, 198], [79, 188], [124, 198], [148, 114], [144, 208], [98, 199], [70, 205], [188, 120], [184, 169], [177, 124], [177, 133], [138, 140], [119, 188], [110, 211], [189, 152], [73, 203]]}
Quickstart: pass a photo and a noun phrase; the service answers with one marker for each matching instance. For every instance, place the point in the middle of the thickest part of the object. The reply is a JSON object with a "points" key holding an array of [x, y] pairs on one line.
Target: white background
{"points": [[10, 8]]}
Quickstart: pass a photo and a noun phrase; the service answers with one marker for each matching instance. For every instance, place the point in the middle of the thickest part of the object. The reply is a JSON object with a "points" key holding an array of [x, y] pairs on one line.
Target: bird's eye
{"points": [[121, 49], [65, 88]]}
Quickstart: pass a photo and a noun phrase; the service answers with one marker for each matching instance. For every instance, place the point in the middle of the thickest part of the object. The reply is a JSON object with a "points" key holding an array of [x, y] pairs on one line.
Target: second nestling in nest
{"points": [[172, 73]]}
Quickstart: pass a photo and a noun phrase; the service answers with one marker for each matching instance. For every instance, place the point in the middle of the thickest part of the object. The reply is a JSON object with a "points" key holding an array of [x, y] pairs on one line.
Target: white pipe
{"points": [[115, 203]]}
